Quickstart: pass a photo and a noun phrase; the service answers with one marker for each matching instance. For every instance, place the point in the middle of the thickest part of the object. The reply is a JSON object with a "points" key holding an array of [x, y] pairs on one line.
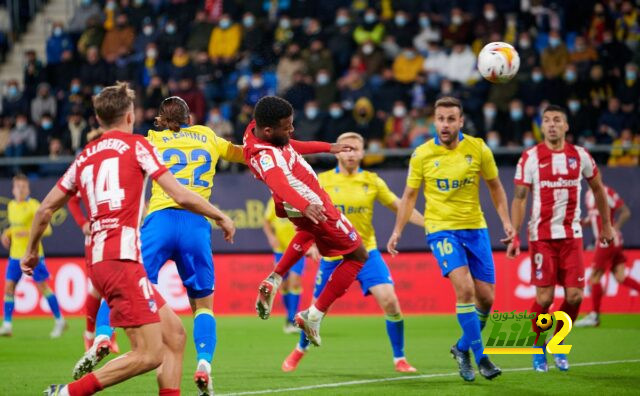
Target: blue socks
{"points": [[395, 331], [482, 316], [53, 304], [103, 325], [303, 344], [204, 334], [470, 325], [9, 305], [292, 302]]}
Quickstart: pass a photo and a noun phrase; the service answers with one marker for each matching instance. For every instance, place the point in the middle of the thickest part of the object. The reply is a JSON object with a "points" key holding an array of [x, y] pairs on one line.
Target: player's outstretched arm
{"points": [[52, 202], [600, 195], [518, 207], [315, 147], [416, 217], [77, 214], [405, 209], [499, 198], [195, 203]]}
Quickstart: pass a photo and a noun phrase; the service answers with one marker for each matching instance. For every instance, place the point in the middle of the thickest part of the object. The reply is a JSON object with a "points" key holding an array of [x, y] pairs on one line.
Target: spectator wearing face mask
{"points": [[428, 33], [46, 131], [435, 65], [528, 140], [57, 43], [372, 57], [555, 57], [325, 88], [389, 92], [625, 150], [516, 124], [489, 23], [338, 122], [572, 86], [397, 127], [225, 40], [256, 44], [600, 89], [581, 121], [283, 35], [14, 102], [257, 89], [74, 134], [490, 119], [628, 89], [493, 140], [153, 66], [407, 65], [317, 57], [310, 123], [461, 64], [44, 103], [137, 11], [22, 138], [168, 39], [370, 29], [199, 33], [529, 57], [219, 124], [457, 30], [533, 90], [148, 34], [339, 40], [118, 41], [403, 28]]}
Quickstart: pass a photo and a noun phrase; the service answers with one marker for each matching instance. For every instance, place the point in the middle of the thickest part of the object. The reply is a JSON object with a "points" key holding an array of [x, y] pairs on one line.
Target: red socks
{"points": [[631, 283], [338, 283], [91, 308], [571, 310], [596, 295], [298, 246], [538, 309], [169, 392], [85, 386]]}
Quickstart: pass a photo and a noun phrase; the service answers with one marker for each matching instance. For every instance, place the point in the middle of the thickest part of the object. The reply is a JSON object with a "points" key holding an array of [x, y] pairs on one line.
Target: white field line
{"points": [[404, 378]]}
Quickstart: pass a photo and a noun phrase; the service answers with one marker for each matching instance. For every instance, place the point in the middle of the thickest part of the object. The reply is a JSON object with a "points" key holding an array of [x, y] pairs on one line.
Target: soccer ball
{"points": [[544, 322], [498, 62]]}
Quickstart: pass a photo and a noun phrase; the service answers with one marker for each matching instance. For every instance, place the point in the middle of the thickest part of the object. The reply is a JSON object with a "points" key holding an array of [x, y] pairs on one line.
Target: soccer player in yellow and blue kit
{"points": [[354, 192], [21, 210], [451, 165], [279, 232], [172, 233]]}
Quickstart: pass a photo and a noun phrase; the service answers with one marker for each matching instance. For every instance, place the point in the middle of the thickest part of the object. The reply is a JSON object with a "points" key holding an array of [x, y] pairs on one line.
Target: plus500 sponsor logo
{"points": [[559, 183]]}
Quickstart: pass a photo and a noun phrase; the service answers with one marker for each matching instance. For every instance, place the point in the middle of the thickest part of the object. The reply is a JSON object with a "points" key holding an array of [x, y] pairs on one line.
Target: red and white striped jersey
{"points": [[555, 179], [293, 183], [613, 201], [111, 176]]}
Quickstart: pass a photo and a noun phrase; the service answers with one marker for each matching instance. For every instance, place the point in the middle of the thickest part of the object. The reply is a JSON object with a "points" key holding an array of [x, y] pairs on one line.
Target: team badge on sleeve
{"points": [[266, 162]]}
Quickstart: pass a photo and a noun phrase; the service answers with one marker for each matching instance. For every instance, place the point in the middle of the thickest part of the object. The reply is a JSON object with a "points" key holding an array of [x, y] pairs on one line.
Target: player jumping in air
{"points": [[279, 232], [97, 327], [451, 165], [110, 174], [609, 257], [21, 210], [552, 171], [275, 159], [171, 233], [354, 192]]}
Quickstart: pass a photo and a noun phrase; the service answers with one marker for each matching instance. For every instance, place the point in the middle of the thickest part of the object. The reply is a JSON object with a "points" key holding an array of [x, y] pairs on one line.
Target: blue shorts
{"points": [[458, 248], [297, 267], [184, 237], [14, 273], [374, 272]]}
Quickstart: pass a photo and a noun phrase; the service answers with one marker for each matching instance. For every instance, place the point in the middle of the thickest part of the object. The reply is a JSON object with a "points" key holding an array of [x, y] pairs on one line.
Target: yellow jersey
{"points": [[451, 182], [191, 155], [355, 195], [282, 227], [20, 216]]}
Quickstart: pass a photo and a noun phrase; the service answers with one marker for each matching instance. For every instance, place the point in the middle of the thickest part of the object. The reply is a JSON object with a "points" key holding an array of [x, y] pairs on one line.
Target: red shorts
{"points": [[606, 258], [334, 237], [557, 262], [128, 292]]}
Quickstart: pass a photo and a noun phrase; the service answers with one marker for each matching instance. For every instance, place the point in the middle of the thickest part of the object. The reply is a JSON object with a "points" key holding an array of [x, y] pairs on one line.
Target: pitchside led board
{"points": [[243, 198]]}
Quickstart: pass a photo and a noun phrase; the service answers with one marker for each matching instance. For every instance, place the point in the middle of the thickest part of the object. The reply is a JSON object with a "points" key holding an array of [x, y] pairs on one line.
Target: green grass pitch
{"points": [[355, 349]]}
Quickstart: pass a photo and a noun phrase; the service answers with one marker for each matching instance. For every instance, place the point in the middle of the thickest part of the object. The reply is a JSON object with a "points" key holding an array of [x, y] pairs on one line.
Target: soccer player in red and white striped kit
{"points": [[553, 171]]}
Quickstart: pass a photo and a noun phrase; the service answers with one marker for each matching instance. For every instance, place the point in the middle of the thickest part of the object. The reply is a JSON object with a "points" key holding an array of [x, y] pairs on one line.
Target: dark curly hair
{"points": [[270, 110]]}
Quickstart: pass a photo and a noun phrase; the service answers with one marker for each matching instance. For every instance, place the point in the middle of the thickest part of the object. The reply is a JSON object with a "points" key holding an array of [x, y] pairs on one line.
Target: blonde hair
{"points": [[448, 101], [113, 102], [350, 135]]}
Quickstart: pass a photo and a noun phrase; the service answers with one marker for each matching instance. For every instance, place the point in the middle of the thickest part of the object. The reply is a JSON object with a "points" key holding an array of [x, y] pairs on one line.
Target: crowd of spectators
{"points": [[375, 67]]}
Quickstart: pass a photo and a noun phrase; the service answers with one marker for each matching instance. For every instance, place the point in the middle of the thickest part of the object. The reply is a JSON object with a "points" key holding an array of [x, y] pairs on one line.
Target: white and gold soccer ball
{"points": [[498, 62]]}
